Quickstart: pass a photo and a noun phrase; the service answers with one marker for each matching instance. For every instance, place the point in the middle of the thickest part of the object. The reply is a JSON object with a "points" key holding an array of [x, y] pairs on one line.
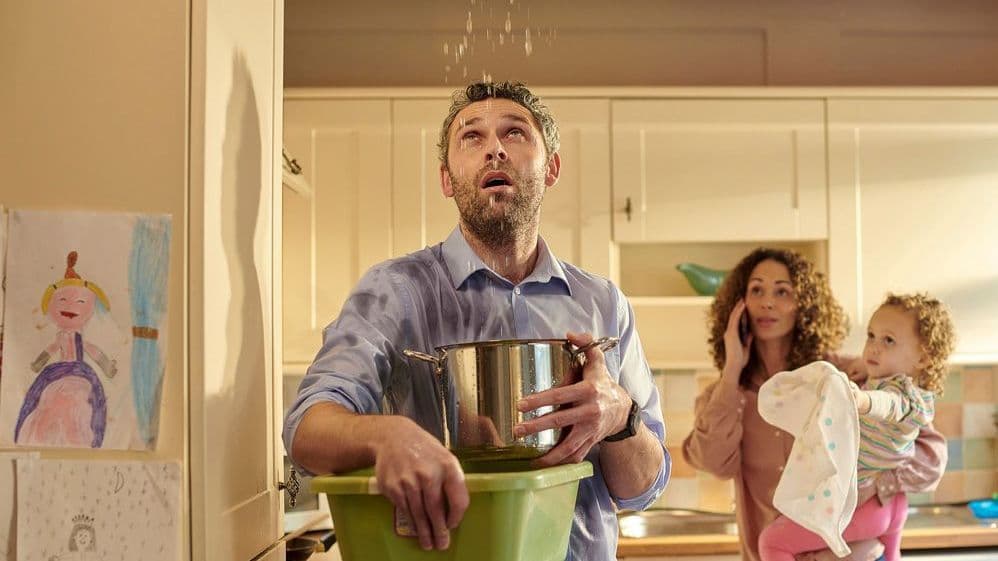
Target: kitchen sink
{"points": [[936, 516], [676, 521]]}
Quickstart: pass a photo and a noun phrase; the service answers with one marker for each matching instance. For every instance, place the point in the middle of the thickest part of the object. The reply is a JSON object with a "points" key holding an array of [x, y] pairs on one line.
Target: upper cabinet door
{"points": [[914, 208], [334, 236], [719, 170], [421, 215], [575, 217]]}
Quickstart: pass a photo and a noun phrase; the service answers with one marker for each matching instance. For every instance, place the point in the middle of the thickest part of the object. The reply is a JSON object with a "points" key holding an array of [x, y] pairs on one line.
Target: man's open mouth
{"points": [[495, 179]]}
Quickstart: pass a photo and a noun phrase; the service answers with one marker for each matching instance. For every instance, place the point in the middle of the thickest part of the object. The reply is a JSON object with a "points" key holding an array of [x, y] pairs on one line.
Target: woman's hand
{"points": [[853, 365], [736, 353]]}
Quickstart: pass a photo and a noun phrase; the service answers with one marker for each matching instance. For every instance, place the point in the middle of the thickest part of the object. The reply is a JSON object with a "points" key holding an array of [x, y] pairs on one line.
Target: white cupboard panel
{"points": [[703, 170], [332, 238], [914, 195]]}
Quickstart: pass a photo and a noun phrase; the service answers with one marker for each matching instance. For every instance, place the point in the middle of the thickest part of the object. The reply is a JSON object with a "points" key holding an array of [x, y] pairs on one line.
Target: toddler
{"points": [[909, 338]]}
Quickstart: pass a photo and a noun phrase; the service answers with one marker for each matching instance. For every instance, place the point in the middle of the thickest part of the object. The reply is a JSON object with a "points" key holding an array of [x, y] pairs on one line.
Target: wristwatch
{"points": [[631, 428]]}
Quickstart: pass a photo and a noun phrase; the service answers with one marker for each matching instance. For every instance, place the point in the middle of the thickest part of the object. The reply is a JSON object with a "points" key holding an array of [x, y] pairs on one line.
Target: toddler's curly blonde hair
{"points": [[936, 335]]}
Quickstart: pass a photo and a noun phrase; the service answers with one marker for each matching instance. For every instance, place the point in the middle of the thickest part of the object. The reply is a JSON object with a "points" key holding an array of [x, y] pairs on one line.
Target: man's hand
{"points": [[422, 478], [598, 408]]}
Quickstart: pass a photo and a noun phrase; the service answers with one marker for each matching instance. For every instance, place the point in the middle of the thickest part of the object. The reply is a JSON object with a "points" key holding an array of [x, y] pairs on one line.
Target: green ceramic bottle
{"points": [[704, 280]]}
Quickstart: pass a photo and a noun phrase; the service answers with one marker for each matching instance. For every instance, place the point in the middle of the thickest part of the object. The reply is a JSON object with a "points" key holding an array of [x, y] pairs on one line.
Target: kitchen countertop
{"points": [[709, 544], [704, 544]]}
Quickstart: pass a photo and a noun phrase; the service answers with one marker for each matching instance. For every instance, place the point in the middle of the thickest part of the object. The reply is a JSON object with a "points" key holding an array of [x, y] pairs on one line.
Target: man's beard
{"points": [[499, 226]]}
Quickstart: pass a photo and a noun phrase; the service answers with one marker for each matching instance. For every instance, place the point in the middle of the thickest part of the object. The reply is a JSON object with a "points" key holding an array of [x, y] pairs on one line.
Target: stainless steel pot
{"points": [[481, 382]]}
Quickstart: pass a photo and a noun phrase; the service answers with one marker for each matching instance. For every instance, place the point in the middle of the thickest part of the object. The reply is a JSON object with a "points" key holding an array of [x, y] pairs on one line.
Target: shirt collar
{"points": [[462, 262]]}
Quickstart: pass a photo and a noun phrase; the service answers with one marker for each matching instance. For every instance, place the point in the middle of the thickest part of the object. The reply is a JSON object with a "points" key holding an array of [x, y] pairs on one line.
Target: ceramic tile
{"points": [[681, 492], [954, 461], [716, 495], [979, 420], [677, 390], [920, 498], [978, 384], [678, 424], [979, 483], [954, 386], [979, 453], [950, 488], [949, 419]]}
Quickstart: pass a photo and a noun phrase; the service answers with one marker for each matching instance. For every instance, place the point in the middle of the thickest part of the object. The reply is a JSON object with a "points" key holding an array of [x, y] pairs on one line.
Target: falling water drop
{"points": [[460, 49], [527, 45], [467, 26], [446, 49], [464, 72], [509, 24], [502, 39]]}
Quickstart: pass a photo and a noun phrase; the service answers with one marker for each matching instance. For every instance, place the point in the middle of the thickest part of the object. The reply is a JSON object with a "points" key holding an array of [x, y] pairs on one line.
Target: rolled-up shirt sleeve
{"points": [[919, 474], [636, 378], [355, 360], [714, 444]]}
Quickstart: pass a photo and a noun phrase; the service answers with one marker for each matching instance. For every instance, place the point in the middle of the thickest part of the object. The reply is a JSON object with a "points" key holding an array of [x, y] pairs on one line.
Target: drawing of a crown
{"points": [[83, 519]]}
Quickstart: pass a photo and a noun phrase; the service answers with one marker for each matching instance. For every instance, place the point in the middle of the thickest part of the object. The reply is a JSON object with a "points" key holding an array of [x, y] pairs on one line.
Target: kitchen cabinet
{"points": [[575, 217], [719, 170], [332, 237], [913, 206]]}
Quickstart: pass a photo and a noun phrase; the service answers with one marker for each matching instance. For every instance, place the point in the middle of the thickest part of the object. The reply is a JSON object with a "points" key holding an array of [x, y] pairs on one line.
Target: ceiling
{"points": [[336, 43]]}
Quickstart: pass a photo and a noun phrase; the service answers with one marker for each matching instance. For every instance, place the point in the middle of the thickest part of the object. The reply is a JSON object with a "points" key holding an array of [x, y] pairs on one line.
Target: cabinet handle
{"points": [[292, 486], [627, 209]]}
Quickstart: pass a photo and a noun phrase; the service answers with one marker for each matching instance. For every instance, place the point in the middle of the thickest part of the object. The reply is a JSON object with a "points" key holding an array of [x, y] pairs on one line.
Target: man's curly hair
{"points": [[936, 335], [821, 322], [513, 91]]}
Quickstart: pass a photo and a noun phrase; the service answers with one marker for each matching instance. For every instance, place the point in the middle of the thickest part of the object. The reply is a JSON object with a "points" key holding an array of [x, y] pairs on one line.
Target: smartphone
{"points": [[743, 328]]}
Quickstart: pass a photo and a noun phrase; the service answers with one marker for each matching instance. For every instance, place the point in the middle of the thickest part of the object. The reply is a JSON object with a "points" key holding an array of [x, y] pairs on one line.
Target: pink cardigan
{"points": [[731, 440]]}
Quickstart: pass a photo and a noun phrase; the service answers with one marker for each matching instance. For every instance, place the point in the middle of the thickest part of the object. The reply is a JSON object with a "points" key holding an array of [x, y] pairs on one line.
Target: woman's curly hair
{"points": [[821, 322], [936, 335]]}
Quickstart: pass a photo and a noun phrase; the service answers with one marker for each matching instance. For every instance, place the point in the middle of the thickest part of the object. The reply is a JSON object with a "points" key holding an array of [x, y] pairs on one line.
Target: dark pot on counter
{"points": [[481, 382]]}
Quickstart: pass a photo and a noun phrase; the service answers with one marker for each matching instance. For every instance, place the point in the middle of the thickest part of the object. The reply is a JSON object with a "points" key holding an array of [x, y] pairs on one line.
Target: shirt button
{"points": [[779, 468], [516, 290], [777, 433]]}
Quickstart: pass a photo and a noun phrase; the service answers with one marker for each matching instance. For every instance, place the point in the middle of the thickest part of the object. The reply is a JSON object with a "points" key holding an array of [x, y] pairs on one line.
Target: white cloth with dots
{"points": [[818, 487]]}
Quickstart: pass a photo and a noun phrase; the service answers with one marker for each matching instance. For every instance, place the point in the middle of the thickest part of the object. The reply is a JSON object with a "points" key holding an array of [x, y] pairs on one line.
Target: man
{"points": [[493, 278]]}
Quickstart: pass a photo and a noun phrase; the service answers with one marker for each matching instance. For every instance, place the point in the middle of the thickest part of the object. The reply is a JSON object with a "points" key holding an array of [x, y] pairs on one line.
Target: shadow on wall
{"points": [[237, 407]]}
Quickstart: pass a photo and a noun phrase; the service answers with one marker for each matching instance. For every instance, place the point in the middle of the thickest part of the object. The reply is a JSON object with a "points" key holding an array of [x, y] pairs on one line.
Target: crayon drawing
{"points": [[85, 302], [84, 510]]}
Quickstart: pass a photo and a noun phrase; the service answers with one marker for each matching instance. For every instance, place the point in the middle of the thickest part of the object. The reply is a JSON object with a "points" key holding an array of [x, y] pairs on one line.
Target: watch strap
{"points": [[631, 427]]}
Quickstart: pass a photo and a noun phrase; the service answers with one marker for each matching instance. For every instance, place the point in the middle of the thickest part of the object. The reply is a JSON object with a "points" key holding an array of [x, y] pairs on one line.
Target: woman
{"points": [[789, 318]]}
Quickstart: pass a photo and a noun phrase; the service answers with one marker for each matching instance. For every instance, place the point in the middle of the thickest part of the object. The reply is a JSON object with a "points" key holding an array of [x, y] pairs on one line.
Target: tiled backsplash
{"points": [[965, 414]]}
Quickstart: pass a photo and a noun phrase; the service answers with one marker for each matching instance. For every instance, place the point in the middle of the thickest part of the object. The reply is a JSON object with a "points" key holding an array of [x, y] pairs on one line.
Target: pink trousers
{"points": [[784, 538]]}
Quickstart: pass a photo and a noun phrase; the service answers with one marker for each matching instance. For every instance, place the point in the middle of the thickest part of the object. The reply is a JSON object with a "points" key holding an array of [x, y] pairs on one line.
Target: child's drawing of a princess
{"points": [[65, 405]]}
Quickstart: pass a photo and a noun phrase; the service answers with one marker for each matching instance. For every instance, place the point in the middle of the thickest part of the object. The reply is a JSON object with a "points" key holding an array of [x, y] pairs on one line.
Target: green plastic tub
{"points": [[516, 514]]}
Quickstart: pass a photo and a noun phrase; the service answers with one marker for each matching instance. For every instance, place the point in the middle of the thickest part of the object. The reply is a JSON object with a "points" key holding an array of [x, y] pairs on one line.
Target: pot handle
{"points": [[423, 356], [604, 344]]}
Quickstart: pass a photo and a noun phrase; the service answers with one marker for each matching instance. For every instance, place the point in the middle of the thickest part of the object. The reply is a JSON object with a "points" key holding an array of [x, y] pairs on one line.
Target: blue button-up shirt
{"points": [[446, 294]]}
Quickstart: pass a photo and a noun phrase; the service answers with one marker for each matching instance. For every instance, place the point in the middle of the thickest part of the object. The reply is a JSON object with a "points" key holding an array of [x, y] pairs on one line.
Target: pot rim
{"points": [[501, 342]]}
